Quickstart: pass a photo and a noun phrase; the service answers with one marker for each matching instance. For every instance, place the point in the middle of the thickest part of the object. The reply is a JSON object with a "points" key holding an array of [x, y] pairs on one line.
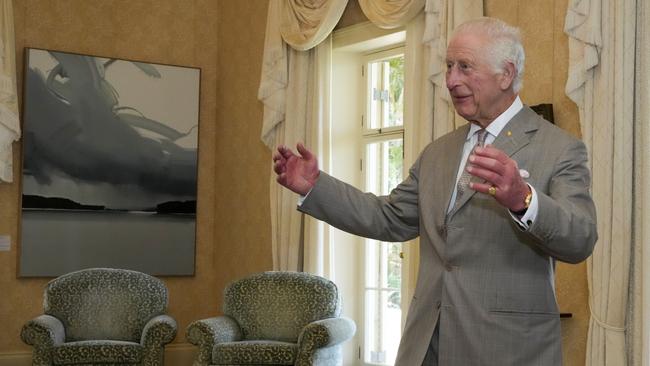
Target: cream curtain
{"points": [[601, 82], [9, 123], [293, 87], [391, 13], [639, 316], [306, 23]]}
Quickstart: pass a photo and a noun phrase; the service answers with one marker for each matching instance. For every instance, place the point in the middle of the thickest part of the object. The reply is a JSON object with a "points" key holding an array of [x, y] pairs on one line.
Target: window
{"points": [[366, 150], [382, 169]]}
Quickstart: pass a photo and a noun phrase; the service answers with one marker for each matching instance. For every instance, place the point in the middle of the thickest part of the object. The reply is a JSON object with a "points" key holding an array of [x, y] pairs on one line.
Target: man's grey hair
{"points": [[505, 45]]}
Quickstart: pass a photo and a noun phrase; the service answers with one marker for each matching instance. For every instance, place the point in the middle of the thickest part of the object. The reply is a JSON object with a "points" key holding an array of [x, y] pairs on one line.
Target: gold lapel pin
{"points": [[509, 133]]}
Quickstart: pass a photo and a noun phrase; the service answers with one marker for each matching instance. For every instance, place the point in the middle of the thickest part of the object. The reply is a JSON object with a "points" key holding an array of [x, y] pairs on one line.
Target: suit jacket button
{"points": [[448, 267]]}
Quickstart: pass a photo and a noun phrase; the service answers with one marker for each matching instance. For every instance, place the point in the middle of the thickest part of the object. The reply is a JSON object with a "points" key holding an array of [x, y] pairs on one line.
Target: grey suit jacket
{"points": [[488, 283]]}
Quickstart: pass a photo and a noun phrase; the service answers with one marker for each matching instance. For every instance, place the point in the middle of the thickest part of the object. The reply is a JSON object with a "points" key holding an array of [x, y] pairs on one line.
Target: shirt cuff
{"points": [[302, 198], [529, 217]]}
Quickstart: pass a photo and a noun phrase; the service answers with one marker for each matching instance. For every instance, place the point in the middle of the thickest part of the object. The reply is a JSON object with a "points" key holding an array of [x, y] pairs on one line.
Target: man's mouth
{"points": [[460, 98]]}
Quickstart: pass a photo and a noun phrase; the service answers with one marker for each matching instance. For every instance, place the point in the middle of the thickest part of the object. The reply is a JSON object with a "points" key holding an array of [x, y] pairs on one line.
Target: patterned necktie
{"points": [[465, 177]]}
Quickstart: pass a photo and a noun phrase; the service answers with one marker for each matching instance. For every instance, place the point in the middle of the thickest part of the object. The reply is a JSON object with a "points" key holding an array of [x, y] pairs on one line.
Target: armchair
{"points": [[274, 318], [101, 316]]}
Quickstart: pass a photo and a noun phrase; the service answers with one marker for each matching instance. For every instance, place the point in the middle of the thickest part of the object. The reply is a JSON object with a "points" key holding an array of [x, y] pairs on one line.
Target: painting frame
{"points": [[110, 165]]}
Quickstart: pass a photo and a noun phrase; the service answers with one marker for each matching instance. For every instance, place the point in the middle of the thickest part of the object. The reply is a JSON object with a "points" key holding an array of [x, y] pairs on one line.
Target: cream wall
{"points": [[225, 39]]}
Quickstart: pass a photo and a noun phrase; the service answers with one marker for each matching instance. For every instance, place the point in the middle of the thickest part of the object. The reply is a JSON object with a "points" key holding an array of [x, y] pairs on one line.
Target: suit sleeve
{"points": [[565, 227], [387, 218]]}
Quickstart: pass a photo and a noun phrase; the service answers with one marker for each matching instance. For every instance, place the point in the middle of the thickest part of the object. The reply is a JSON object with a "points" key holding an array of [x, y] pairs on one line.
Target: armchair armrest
{"points": [[43, 332], [205, 333], [158, 331], [323, 334]]}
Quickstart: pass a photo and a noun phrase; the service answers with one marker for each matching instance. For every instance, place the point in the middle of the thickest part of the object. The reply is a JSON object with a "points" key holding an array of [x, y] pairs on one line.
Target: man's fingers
{"points": [[277, 156], [488, 163], [480, 187], [279, 167], [489, 151], [285, 152], [306, 154], [487, 174]]}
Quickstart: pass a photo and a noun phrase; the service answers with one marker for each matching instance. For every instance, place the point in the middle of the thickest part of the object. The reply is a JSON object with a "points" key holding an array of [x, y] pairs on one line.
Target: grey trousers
{"points": [[431, 358]]}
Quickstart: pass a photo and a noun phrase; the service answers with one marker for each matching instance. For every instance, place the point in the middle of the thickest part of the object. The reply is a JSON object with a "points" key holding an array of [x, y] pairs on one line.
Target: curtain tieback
{"points": [[601, 323]]}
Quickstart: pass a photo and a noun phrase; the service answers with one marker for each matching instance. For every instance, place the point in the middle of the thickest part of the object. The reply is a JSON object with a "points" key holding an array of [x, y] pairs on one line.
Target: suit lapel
{"points": [[515, 135], [450, 169]]}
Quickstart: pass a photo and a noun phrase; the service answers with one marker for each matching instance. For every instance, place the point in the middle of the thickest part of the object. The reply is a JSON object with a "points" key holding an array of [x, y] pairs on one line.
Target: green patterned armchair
{"points": [[274, 318], [101, 316]]}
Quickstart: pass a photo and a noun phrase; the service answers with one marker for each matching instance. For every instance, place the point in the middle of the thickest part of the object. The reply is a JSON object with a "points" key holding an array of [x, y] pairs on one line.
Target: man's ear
{"points": [[507, 76]]}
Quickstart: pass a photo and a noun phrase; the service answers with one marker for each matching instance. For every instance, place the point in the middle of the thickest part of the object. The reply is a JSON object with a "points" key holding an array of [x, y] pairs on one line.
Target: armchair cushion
{"points": [[278, 305], [104, 303], [89, 352], [255, 353]]}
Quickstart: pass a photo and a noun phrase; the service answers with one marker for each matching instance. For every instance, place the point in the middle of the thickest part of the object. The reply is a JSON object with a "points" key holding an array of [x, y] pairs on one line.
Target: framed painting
{"points": [[109, 165]]}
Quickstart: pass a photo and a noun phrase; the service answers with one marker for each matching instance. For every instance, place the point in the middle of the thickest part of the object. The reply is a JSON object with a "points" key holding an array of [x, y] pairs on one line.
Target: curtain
{"points": [[292, 89], [639, 317], [601, 82], [306, 23], [9, 123], [391, 13]]}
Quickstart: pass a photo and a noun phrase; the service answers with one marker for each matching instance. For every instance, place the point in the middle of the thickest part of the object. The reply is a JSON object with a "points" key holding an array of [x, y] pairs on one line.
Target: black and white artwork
{"points": [[109, 165]]}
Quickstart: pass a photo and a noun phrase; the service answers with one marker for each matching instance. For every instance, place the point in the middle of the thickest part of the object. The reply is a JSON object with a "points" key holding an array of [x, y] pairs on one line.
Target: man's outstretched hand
{"points": [[296, 172]]}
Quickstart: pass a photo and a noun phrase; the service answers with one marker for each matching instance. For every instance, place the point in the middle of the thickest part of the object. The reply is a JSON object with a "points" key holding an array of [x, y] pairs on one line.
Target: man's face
{"points": [[478, 92]]}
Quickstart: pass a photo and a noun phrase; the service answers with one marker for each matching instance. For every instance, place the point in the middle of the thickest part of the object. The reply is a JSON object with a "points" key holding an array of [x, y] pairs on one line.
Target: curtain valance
{"points": [[306, 23], [391, 13]]}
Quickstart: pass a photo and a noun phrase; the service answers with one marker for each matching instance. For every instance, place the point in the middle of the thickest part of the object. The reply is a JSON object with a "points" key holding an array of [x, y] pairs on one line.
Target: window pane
{"points": [[394, 272], [375, 94], [395, 92], [372, 263], [386, 93], [382, 327], [395, 149], [373, 157], [383, 265]]}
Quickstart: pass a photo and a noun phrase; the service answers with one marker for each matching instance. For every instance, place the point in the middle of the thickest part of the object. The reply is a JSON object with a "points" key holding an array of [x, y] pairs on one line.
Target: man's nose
{"points": [[452, 78]]}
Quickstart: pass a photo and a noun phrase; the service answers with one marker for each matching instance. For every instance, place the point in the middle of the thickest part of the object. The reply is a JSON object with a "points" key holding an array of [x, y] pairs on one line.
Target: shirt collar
{"points": [[495, 127]]}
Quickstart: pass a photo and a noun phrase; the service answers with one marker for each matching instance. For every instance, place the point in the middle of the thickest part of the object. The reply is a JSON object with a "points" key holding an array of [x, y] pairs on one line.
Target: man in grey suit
{"points": [[485, 293]]}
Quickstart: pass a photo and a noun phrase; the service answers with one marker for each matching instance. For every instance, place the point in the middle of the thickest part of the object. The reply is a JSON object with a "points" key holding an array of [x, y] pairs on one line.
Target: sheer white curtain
{"points": [[601, 81], [9, 124]]}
